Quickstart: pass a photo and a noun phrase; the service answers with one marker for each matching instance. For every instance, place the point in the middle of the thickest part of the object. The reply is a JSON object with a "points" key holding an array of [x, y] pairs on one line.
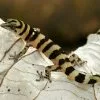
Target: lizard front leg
{"points": [[15, 57], [10, 48]]}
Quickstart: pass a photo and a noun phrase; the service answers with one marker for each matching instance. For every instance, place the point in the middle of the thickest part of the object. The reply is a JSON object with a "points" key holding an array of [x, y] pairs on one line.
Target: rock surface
{"points": [[18, 79]]}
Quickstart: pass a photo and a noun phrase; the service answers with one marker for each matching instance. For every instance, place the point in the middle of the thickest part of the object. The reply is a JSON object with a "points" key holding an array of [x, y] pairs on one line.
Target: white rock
{"points": [[18, 80]]}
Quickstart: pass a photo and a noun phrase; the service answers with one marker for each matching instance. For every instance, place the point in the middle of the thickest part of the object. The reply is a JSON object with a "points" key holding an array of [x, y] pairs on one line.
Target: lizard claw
{"points": [[14, 57], [41, 77]]}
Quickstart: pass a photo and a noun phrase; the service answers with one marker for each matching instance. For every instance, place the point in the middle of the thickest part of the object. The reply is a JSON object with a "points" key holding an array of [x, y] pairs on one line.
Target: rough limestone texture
{"points": [[18, 79]]}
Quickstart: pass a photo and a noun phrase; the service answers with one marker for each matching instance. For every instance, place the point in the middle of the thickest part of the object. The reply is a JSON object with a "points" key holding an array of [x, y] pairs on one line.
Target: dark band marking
{"points": [[73, 61], [55, 53], [97, 75], [78, 59], [20, 26], [67, 60], [47, 47], [29, 34], [73, 55], [92, 81], [42, 42], [98, 32], [69, 70], [34, 36], [49, 67], [61, 61], [24, 30], [58, 68], [80, 78]]}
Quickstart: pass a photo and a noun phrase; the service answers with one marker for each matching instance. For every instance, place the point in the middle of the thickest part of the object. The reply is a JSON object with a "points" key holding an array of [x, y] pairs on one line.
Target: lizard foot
{"points": [[14, 57], [41, 77]]}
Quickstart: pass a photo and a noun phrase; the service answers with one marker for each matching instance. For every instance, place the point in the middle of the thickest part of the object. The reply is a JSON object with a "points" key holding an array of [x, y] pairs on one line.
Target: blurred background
{"points": [[67, 22]]}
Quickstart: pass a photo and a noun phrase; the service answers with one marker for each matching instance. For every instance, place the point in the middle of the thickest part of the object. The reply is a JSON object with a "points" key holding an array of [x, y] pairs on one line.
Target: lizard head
{"points": [[19, 27], [13, 25]]}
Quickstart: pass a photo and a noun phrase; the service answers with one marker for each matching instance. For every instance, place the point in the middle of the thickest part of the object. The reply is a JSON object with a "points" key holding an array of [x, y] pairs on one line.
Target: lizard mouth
{"points": [[8, 26]]}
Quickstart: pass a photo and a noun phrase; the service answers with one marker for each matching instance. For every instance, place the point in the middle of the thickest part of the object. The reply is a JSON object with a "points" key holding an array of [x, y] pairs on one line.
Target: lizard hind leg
{"points": [[41, 77], [47, 75], [48, 70]]}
